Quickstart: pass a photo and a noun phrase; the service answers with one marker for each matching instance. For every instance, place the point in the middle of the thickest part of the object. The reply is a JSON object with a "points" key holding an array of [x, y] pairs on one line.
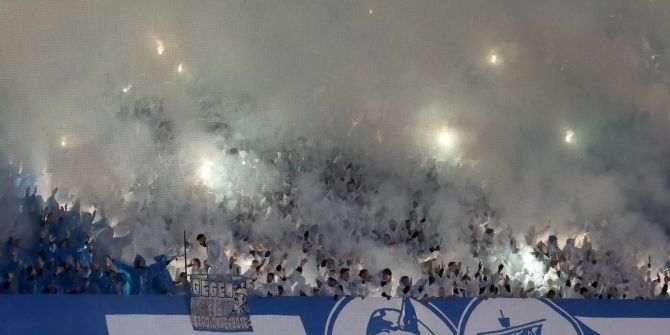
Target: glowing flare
{"points": [[205, 171], [370, 11], [569, 136], [533, 267], [493, 58], [180, 67], [446, 139], [160, 47]]}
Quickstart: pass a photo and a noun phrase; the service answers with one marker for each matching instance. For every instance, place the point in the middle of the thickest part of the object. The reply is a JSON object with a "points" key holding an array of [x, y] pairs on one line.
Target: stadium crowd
{"points": [[75, 251]]}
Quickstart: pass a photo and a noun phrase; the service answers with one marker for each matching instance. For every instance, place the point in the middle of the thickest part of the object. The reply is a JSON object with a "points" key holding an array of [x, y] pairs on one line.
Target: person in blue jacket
{"points": [[63, 251], [138, 275], [29, 282], [85, 253], [43, 272], [14, 262], [50, 248], [65, 279], [122, 285], [161, 280]]}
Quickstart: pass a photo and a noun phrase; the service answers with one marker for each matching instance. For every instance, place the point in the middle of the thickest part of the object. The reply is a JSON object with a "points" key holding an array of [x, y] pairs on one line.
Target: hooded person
{"points": [[217, 259], [121, 284], [138, 275], [104, 280], [161, 280]]}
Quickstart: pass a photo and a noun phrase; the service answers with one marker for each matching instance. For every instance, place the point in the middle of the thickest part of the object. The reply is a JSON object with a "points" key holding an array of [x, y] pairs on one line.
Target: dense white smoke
{"points": [[486, 91]]}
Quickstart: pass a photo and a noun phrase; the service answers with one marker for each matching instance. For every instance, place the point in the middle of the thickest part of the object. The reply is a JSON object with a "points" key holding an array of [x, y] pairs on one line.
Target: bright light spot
{"points": [[180, 67], [370, 11], [63, 141], [533, 266], [205, 171], [494, 59], [446, 139], [127, 88], [569, 136], [160, 47]]}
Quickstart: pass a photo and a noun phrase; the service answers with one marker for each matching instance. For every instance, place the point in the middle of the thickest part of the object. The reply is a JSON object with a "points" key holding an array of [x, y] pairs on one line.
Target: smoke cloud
{"points": [[380, 82]]}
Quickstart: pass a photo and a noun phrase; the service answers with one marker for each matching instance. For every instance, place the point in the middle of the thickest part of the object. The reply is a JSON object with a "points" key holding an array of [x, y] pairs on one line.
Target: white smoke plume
{"points": [[486, 91]]}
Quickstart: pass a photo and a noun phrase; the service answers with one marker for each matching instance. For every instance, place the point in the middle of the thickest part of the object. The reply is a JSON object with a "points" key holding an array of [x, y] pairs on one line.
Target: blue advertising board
{"points": [[128, 315]]}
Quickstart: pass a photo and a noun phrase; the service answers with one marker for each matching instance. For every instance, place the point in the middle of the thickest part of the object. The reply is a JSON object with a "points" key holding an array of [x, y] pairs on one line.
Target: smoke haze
{"points": [[377, 80]]}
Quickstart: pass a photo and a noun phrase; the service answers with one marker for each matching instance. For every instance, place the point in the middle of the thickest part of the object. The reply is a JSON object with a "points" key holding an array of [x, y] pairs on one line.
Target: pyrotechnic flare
{"points": [[446, 139], [205, 171], [160, 47], [494, 58], [569, 136]]}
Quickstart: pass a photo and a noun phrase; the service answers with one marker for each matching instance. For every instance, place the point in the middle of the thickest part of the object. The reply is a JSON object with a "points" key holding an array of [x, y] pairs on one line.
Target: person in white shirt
{"points": [[254, 272], [345, 284], [269, 288], [196, 267], [363, 286], [217, 259]]}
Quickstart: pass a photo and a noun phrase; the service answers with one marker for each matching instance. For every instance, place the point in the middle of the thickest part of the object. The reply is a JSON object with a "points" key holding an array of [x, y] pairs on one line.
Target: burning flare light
{"points": [[569, 136], [205, 172], [160, 47], [446, 139]]}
